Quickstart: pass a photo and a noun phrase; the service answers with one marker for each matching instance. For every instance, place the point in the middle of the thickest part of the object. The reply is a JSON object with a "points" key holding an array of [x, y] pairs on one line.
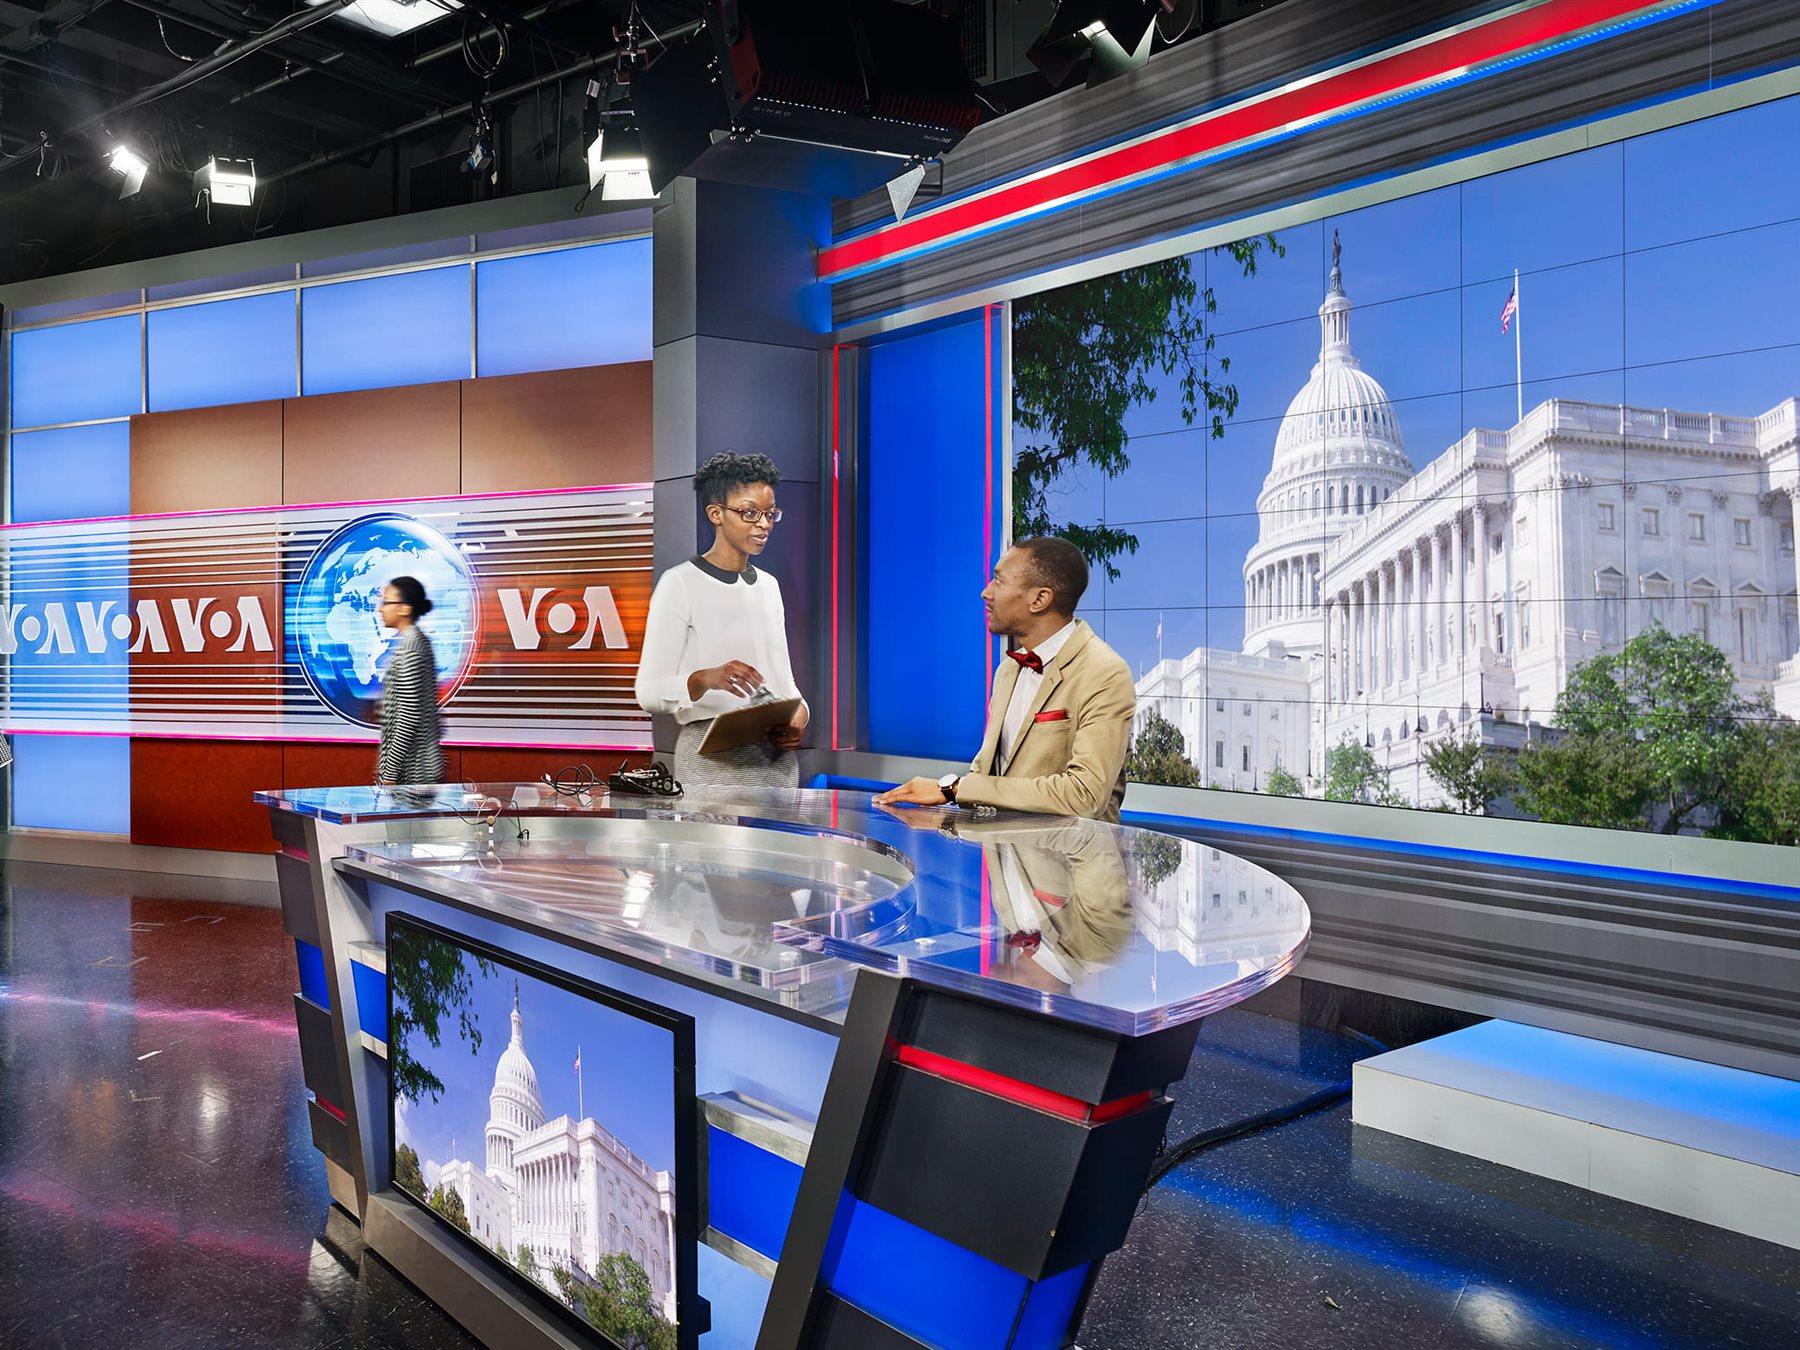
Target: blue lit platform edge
{"points": [[1710, 1143]]}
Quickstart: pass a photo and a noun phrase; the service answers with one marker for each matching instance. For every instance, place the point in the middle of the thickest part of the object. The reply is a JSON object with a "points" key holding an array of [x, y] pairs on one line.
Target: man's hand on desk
{"points": [[916, 792]]}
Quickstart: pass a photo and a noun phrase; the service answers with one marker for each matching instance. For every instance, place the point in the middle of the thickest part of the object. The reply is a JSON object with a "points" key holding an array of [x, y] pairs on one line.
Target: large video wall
{"points": [[1481, 500]]}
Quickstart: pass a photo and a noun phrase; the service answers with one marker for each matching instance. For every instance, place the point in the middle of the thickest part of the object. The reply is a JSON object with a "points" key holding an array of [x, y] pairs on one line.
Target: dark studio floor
{"points": [[158, 1186]]}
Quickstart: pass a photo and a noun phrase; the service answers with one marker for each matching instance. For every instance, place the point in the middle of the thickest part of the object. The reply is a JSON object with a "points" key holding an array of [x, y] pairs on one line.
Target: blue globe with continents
{"points": [[333, 617]]}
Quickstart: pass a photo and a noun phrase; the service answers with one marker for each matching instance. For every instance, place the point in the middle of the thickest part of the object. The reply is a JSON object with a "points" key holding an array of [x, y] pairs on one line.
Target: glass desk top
{"points": [[1114, 927]]}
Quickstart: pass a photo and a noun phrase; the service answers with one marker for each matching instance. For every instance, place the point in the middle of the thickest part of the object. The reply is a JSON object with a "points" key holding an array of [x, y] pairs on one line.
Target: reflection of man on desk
{"points": [[1059, 721], [1060, 893]]}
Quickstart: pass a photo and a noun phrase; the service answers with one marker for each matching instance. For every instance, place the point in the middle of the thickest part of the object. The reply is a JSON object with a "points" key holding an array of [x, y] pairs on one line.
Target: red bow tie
{"points": [[1030, 660]]}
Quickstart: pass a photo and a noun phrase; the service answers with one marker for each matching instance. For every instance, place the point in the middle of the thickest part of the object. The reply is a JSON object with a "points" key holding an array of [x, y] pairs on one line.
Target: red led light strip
{"points": [[1017, 1090], [1434, 58], [837, 445]]}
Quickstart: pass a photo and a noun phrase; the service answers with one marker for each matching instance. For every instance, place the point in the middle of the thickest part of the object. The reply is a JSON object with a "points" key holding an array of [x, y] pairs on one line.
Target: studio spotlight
{"points": [[226, 182], [1096, 40], [616, 161], [616, 165], [131, 167]]}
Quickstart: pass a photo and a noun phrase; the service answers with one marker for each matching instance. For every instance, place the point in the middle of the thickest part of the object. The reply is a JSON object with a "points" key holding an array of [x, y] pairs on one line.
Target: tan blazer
{"points": [[1074, 872], [1072, 765]]}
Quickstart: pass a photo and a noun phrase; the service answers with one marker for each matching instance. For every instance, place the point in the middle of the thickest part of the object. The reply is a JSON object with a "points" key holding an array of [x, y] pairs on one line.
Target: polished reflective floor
{"points": [[158, 1188]]}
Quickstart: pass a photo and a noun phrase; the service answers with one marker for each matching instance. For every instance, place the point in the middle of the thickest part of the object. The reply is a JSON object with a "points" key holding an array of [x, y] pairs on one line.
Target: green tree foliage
{"points": [[432, 984], [1283, 784], [1352, 775], [1085, 355], [1470, 774], [619, 1303], [1155, 857], [1585, 780], [526, 1262], [407, 1175], [448, 1201], [566, 1285], [1159, 755], [1670, 694], [1760, 801]]}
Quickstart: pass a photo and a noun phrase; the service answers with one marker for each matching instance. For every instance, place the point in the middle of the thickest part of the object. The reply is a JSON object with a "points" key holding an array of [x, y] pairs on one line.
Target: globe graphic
{"points": [[333, 621]]}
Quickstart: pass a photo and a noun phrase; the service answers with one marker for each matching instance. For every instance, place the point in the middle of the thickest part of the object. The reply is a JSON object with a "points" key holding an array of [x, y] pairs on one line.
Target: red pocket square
{"points": [[1052, 715]]}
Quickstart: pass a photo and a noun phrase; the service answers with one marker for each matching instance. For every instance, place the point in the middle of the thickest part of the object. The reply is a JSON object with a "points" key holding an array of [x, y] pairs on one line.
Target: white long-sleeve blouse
{"points": [[703, 616]]}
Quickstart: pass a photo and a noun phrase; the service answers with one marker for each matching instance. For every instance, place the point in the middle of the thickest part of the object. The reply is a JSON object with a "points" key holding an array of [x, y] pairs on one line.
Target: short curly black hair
{"points": [[719, 475], [1057, 565]]}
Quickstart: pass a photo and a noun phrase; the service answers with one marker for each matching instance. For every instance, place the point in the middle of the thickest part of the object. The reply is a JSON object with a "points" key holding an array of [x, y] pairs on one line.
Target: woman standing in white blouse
{"points": [[717, 633]]}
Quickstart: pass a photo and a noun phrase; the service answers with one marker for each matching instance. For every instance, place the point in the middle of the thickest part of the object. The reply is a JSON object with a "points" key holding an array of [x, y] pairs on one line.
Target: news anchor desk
{"points": [[919, 1059]]}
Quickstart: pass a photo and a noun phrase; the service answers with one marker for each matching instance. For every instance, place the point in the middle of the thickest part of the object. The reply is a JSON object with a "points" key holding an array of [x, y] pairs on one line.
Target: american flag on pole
{"points": [[1509, 309], [578, 1059]]}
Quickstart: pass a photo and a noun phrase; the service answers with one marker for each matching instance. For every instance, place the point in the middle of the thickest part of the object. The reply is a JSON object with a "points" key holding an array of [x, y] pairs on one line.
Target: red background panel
{"points": [[206, 459], [373, 445], [558, 428], [527, 766], [309, 766], [196, 794]]}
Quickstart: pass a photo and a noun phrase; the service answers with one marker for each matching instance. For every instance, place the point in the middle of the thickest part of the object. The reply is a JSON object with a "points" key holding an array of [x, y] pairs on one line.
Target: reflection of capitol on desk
{"points": [[1215, 906], [567, 1189], [1382, 602]]}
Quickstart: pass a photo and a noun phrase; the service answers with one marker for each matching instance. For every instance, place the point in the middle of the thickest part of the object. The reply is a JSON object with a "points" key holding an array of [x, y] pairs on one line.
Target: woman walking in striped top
{"points": [[409, 706]]}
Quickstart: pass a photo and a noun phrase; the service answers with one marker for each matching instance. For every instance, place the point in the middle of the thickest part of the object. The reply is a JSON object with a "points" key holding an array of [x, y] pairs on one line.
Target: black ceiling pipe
{"points": [[191, 75], [493, 100], [410, 90], [426, 57]]}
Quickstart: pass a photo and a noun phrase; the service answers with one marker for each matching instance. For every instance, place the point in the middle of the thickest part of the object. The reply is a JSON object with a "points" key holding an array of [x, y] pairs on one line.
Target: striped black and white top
{"points": [[410, 729]]}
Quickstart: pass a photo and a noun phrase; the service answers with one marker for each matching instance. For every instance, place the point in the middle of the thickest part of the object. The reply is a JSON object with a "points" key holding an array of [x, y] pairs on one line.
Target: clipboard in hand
{"points": [[747, 726]]}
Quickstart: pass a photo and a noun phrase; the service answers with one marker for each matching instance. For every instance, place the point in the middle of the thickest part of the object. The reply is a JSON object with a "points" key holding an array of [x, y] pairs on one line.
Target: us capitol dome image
{"points": [[1393, 606], [565, 1188]]}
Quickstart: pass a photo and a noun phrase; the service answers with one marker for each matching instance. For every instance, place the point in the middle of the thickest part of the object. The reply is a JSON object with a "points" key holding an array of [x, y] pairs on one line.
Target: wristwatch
{"points": [[947, 785]]}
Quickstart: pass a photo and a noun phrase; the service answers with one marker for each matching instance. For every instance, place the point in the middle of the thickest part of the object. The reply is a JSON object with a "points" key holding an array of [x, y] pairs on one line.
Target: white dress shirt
{"points": [[1029, 913], [1025, 693]]}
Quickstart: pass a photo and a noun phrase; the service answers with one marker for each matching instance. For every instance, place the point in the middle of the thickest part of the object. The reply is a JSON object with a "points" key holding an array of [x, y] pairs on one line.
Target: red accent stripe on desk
{"points": [[1017, 1090], [335, 1112], [1434, 58]]}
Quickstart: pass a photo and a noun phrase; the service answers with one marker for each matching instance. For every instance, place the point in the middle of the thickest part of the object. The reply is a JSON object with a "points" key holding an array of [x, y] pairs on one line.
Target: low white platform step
{"points": [[1714, 1144]]}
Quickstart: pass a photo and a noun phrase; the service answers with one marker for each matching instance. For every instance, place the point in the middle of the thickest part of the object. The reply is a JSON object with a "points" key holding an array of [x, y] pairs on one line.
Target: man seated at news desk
{"points": [[1059, 721]]}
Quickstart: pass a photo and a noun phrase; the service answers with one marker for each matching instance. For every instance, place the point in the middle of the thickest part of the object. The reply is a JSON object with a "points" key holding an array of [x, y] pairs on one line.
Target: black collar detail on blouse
{"points": [[717, 573]]}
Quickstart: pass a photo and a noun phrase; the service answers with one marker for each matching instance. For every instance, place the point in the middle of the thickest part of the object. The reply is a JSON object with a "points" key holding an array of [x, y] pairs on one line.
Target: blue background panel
{"points": [[576, 307], [230, 351], [72, 783], [941, 1293], [382, 331], [927, 492], [371, 988], [72, 473], [750, 1192], [313, 986], [77, 372]]}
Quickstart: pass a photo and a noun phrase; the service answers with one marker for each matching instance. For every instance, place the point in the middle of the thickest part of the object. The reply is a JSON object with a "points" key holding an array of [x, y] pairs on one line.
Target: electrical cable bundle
{"points": [[576, 780], [654, 780]]}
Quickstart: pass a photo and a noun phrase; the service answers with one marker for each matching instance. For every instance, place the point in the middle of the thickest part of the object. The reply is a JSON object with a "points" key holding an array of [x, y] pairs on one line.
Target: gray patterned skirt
{"points": [[753, 766]]}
